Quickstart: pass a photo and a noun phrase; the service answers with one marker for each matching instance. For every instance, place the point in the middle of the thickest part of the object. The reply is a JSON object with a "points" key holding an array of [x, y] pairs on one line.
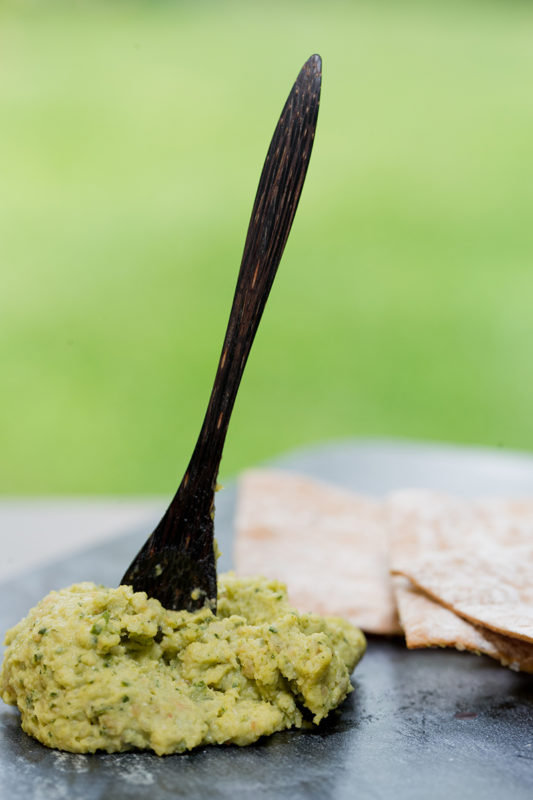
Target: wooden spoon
{"points": [[177, 564]]}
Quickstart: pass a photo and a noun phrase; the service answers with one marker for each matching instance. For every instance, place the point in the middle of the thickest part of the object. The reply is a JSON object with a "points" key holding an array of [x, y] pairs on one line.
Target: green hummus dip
{"points": [[92, 668]]}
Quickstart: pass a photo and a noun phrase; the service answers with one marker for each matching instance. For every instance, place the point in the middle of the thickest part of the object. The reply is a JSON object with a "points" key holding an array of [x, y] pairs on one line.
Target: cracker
{"points": [[429, 624], [422, 521], [493, 588], [328, 545], [471, 559]]}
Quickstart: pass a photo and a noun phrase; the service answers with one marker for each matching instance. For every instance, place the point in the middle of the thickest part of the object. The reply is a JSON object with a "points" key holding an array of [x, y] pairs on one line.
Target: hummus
{"points": [[93, 668]]}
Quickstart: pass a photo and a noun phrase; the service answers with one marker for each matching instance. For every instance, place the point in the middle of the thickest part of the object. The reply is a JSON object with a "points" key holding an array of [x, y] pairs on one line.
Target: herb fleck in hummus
{"points": [[92, 668]]}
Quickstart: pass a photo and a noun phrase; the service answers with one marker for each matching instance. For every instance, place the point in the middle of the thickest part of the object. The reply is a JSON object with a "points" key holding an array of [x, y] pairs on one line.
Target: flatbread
{"points": [[422, 521], [328, 545], [429, 624], [493, 588], [473, 559]]}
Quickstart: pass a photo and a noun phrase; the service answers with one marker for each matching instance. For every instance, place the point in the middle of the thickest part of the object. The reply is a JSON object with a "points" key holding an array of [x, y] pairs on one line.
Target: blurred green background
{"points": [[132, 138]]}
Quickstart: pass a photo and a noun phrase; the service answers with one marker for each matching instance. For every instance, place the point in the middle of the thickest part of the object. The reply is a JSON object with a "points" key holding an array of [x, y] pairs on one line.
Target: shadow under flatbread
{"points": [[419, 723]]}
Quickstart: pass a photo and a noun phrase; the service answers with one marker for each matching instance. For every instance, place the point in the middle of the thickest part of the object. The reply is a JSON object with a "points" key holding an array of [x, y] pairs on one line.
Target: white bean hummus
{"points": [[93, 668]]}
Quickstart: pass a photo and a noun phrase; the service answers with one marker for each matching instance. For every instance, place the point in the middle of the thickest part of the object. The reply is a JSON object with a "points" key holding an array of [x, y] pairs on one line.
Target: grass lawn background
{"points": [[132, 138]]}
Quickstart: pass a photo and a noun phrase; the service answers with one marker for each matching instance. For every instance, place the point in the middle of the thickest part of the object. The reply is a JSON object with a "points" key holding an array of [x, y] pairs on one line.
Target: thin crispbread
{"points": [[473, 558], [328, 545], [429, 624], [493, 589], [422, 521]]}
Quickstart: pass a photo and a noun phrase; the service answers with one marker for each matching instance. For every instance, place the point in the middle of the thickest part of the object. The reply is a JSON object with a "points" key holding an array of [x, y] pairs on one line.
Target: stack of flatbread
{"points": [[444, 572]]}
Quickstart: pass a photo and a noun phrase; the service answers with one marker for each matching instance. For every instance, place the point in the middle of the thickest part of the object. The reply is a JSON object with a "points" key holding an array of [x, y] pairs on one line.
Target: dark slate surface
{"points": [[427, 724]]}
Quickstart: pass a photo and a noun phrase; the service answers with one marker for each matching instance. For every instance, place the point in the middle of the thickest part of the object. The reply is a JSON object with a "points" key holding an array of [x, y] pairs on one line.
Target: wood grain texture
{"points": [[179, 557]]}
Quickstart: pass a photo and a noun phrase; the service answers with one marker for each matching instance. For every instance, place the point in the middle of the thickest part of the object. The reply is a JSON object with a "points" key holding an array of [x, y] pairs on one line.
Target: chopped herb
{"points": [[125, 699], [125, 683], [42, 631], [96, 629], [37, 657], [273, 630]]}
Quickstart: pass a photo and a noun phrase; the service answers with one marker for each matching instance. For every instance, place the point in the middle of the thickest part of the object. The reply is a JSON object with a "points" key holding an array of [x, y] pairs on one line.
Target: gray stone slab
{"points": [[427, 724]]}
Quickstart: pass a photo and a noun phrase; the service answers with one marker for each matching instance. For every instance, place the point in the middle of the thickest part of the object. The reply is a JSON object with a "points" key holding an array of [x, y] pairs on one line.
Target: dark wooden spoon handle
{"points": [[178, 557]]}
